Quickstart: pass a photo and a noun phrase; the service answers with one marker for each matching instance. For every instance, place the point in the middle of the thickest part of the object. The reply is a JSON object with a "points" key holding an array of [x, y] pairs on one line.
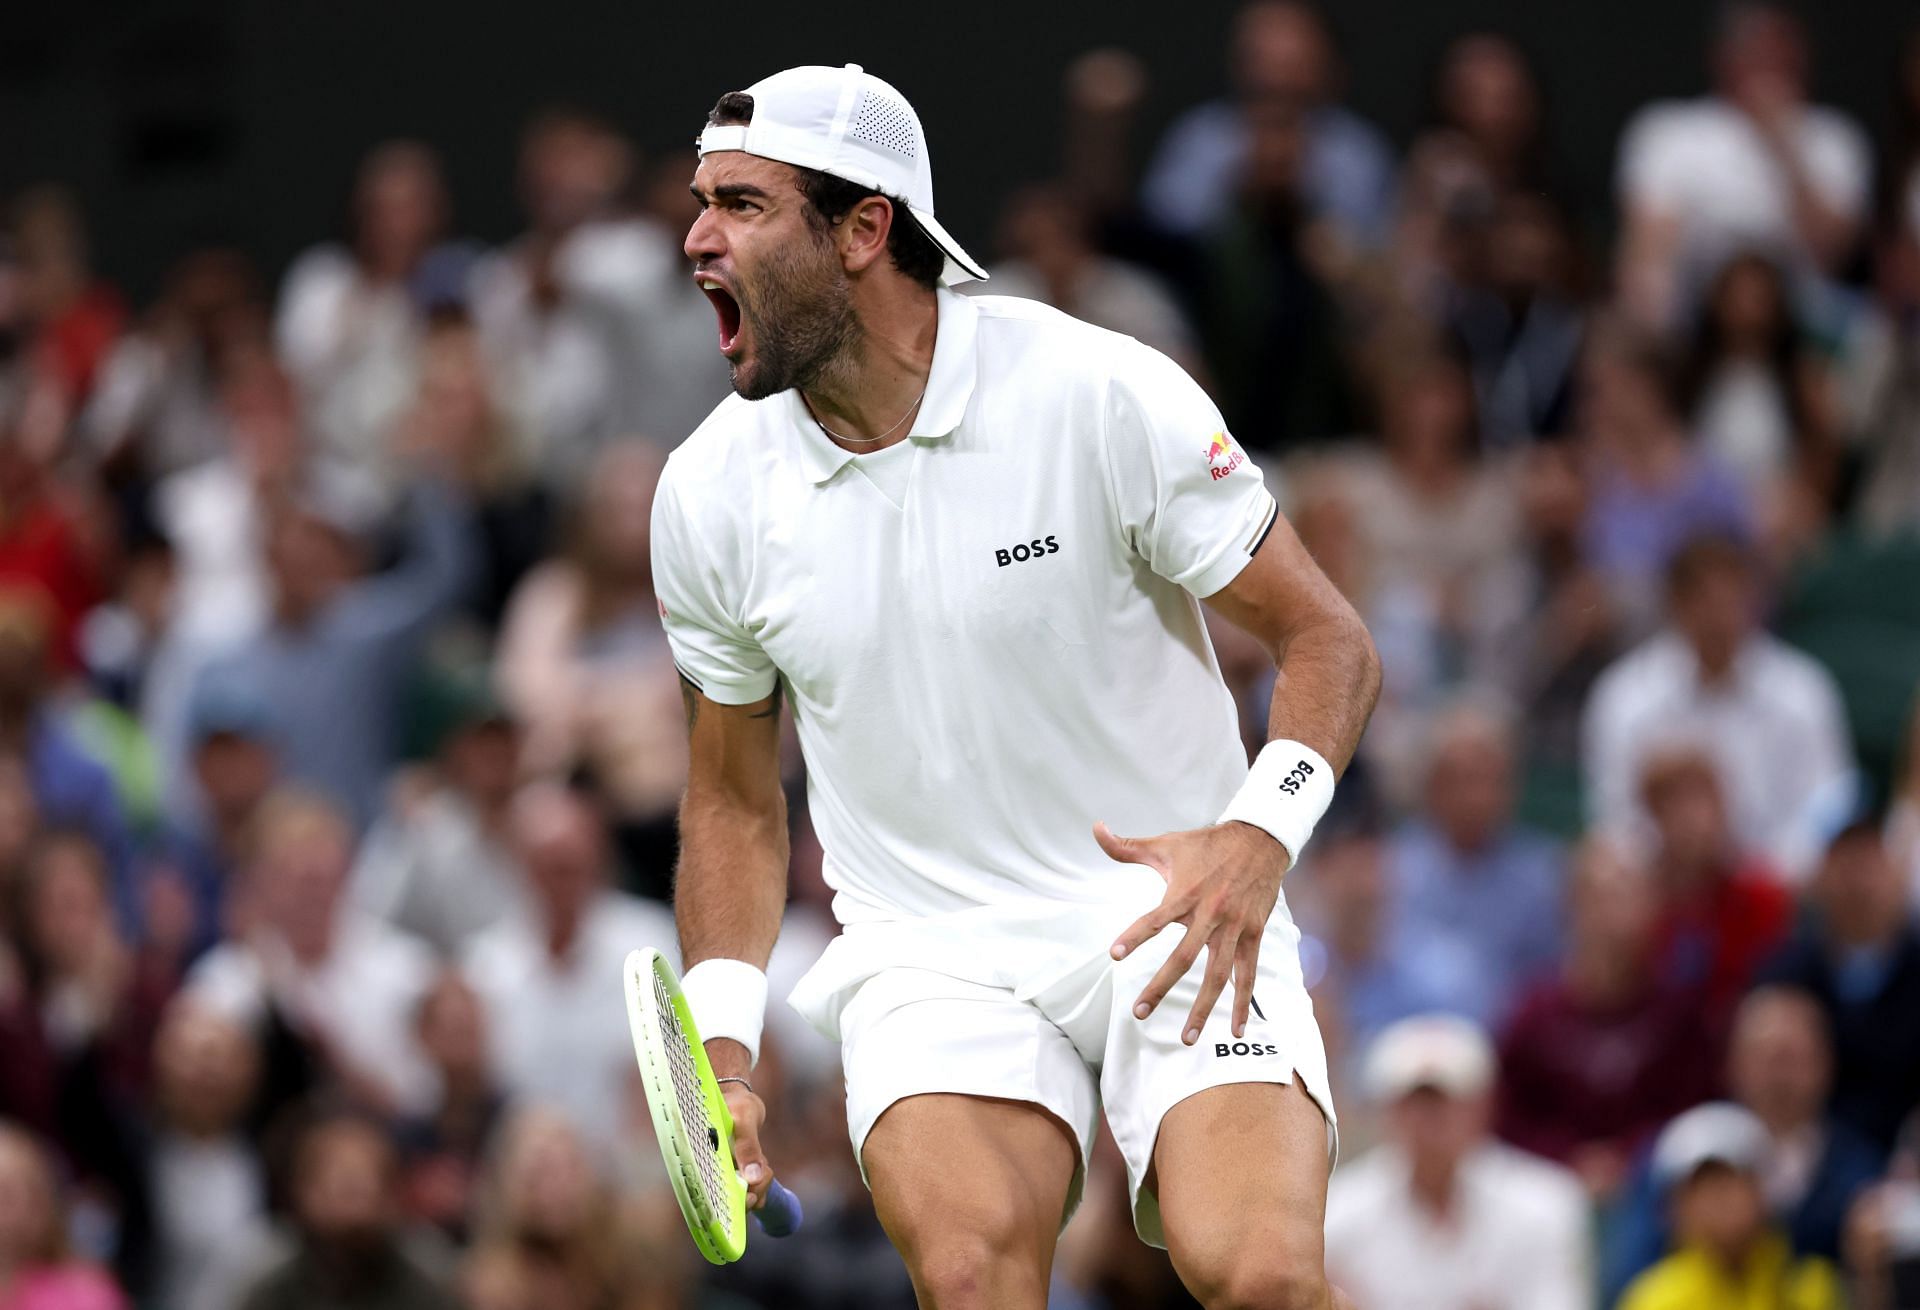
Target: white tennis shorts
{"points": [[968, 1022]]}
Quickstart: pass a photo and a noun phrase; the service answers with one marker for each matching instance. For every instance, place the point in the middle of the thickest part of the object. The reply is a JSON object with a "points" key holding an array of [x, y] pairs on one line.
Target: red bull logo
{"points": [[1223, 457]]}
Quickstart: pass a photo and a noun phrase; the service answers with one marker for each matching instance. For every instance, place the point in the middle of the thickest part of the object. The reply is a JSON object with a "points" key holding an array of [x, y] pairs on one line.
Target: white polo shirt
{"points": [[1005, 648]]}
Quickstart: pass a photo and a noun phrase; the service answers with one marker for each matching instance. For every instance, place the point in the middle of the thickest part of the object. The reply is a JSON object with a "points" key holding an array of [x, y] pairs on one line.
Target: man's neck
{"points": [[874, 389]]}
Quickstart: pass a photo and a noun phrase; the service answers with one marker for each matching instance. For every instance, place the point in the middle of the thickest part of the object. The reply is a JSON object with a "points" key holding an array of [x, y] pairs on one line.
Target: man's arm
{"points": [[1223, 880], [731, 886], [1329, 672]]}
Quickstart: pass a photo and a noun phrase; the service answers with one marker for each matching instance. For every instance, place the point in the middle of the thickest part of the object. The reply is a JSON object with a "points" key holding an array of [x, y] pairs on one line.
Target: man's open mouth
{"points": [[728, 310]]}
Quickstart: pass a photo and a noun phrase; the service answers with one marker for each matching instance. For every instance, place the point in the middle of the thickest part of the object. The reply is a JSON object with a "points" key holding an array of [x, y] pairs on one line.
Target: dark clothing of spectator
{"points": [[204, 872], [1871, 1000], [1573, 1074], [1270, 332], [1640, 1236], [1522, 361], [381, 1278], [333, 686]]}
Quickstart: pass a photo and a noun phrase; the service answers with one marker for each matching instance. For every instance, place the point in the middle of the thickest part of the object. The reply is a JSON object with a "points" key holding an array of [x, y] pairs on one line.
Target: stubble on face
{"points": [[798, 312]]}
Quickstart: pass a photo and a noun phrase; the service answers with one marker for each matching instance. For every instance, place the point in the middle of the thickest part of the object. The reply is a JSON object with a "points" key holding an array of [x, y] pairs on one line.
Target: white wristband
{"points": [[1287, 790], [728, 998]]}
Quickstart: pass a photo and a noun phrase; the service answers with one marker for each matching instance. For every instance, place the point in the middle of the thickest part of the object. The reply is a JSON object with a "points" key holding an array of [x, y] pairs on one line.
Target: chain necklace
{"points": [[866, 441]]}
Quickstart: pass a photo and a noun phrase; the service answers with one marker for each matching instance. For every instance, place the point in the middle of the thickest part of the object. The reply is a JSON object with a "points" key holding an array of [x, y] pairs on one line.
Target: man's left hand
{"points": [[1222, 883]]}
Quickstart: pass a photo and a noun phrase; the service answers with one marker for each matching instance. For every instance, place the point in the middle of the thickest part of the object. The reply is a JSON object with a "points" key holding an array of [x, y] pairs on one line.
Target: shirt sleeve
{"points": [[712, 649], [1190, 501]]}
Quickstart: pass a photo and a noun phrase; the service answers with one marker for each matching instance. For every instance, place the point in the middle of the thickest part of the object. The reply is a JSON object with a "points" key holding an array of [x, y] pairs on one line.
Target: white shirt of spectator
{"points": [[1009, 651], [1705, 163], [1513, 1238], [362, 997], [558, 1033], [1775, 728]]}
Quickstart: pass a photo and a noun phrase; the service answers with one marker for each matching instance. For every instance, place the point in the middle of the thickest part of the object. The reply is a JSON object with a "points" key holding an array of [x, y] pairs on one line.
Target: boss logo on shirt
{"points": [[1026, 550], [1223, 457], [1245, 1048]]}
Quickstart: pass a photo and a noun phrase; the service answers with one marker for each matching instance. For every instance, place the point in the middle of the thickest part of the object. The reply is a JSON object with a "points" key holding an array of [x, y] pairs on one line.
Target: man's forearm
{"points": [[1324, 692], [731, 886]]}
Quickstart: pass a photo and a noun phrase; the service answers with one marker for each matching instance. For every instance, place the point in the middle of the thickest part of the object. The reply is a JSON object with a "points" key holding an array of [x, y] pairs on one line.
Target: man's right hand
{"points": [[729, 1060]]}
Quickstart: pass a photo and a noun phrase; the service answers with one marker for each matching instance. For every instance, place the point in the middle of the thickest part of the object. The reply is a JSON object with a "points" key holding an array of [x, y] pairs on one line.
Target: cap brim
{"points": [[960, 266]]}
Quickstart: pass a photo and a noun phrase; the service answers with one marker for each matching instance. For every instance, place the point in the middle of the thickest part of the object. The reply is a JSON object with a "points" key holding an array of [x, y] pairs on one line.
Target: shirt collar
{"points": [[949, 387]]}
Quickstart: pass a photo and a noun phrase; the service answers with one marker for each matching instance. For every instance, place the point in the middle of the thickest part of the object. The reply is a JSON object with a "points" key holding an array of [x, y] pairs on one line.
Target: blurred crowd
{"points": [[340, 743]]}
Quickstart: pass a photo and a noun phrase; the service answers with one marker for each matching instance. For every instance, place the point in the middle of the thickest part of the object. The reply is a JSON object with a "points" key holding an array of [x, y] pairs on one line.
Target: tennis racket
{"points": [[690, 1117]]}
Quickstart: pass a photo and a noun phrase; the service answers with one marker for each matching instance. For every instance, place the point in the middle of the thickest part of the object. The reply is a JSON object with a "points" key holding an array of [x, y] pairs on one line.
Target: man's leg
{"points": [[972, 1191], [1241, 1175]]}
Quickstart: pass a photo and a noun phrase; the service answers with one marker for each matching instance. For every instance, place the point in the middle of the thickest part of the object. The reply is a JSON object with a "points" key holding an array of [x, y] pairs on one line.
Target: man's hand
{"points": [[729, 1060], [1222, 883]]}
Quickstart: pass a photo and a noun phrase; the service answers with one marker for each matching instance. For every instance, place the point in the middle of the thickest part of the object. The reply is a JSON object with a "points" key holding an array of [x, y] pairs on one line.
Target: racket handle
{"points": [[781, 1215]]}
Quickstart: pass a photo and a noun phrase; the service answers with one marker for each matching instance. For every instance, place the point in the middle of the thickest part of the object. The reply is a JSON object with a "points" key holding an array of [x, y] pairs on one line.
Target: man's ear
{"points": [[864, 231]]}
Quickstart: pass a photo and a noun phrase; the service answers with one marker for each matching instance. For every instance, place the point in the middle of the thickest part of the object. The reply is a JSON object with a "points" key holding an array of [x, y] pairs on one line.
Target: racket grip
{"points": [[781, 1215]]}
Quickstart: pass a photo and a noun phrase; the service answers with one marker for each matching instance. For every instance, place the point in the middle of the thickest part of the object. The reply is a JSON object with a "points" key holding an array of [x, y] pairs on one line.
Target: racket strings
{"points": [[702, 1135]]}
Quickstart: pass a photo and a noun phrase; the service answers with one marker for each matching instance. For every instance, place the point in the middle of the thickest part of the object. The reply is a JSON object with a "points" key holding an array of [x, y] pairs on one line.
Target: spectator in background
{"points": [[1758, 400], [1769, 715], [1356, 953], [1752, 162], [1282, 51], [1859, 957], [1779, 1067], [1724, 910], [1707, 1166], [195, 862], [341, 644], [1881, 373], [1557, 630], [45, 546], [1048, 254], [71, 317], [454, 416], [157, 406], [438, 863], [76, 1038], [1512, 309], [1487, 96], [348, 1243], [1266, 313], [1883, 1234], [549, 1225], [37, 1268], [209, 1191], [69, 787], [1466, 871], [1650, 489], [585, 665], [1596, 1058], [554, 351], [352, 316], [560, 1029], [329, 990], [441, 1151], [1442, 1216]]}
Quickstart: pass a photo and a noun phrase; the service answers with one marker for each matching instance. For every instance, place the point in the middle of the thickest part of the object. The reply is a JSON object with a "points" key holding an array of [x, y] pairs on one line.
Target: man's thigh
{"points": [[973, 1192]]}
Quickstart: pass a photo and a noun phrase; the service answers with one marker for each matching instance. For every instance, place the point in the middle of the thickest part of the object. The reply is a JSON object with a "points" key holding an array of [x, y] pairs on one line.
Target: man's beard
{"points": [[800, 321]]}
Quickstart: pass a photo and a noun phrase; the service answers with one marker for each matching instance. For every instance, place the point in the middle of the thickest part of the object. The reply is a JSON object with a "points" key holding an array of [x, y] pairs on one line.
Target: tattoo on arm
{"points": [[690, 697]]}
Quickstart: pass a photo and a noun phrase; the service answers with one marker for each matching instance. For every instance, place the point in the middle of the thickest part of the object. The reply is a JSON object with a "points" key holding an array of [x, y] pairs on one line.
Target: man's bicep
{"points": [[733, 751], [1280, 590]]}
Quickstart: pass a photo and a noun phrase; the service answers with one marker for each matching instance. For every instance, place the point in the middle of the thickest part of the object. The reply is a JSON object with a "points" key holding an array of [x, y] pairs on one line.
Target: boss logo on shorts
{"points": [[1026, 550], [1245, 1048]]}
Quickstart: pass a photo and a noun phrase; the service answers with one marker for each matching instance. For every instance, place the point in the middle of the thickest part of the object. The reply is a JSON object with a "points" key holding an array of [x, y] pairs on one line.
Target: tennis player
{"points": [[967, 538]]}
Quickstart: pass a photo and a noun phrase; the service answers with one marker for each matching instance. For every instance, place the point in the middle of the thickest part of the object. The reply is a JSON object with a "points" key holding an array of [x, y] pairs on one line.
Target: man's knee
{"points": [[978, 1260], [1258, 1277]]}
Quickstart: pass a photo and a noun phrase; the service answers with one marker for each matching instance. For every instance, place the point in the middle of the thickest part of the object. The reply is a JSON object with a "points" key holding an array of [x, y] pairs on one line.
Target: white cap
{"points": [[1441, 1051], [1718, 1132], [849, 123]]}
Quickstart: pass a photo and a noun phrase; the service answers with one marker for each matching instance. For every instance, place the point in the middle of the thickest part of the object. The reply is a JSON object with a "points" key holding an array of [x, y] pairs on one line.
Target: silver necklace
{"points": [[865, 441]]}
